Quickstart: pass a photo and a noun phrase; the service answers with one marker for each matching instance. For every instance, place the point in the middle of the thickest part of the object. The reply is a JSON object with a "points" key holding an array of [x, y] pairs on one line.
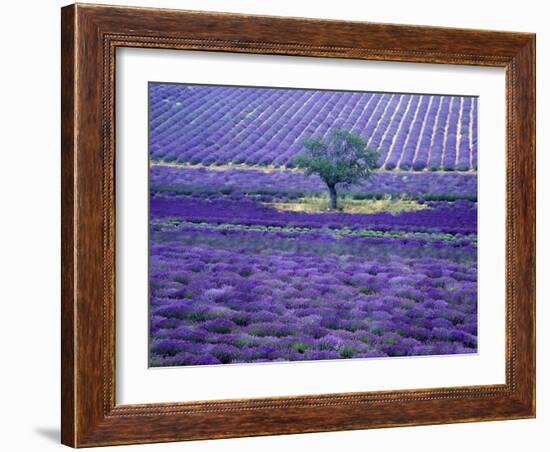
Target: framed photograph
{"points": [[281, 225]]}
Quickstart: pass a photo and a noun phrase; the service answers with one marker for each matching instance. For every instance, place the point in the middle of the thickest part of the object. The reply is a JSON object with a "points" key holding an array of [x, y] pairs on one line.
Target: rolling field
{"points": [[267, 126], [247, 264]]}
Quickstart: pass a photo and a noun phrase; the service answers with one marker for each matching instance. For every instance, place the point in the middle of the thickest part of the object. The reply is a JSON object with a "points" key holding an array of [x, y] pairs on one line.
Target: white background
{"points": [[29, 238], [137, 384]]}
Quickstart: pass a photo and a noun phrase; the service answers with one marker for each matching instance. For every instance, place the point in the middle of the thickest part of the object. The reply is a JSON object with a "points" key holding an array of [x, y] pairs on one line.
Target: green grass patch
{"points": [[349, 204]]}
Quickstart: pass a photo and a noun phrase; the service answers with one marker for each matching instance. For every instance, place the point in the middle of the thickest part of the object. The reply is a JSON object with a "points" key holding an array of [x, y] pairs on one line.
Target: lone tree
{"points": [[342, 159]]}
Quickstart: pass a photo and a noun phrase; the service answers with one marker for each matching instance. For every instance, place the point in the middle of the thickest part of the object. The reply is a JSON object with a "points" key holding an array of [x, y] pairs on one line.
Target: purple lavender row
{"points": [[436, 149], [390, 128], [267, 126], [457, 217], [319, 241], [385, 120], [449, 157], [169, 179], [463, 161], [399, 142], [425, 145], [412, 141]]}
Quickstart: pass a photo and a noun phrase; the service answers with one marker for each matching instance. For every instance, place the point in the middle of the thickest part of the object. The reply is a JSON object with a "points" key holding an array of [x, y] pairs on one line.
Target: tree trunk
{"points": [[333, 196]]}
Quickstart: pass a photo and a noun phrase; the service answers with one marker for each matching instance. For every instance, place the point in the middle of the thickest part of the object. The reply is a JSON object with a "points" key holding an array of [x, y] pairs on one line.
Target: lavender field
{"points": [[267, 126], [247, 261]]}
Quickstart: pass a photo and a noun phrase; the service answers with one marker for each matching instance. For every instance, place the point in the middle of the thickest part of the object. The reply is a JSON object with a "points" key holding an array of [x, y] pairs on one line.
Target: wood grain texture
{"points": [[90, 36], [68, 330]]}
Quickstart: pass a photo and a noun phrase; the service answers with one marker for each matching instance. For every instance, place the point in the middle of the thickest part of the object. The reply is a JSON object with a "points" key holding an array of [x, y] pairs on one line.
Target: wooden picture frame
{"points": [[90, 35]]}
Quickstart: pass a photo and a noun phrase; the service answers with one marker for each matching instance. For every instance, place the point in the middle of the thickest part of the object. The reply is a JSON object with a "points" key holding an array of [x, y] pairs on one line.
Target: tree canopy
{"points": [[343, 158]]}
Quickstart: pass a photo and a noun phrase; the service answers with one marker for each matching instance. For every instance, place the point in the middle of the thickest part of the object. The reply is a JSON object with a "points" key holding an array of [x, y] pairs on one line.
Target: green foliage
{"points": [[347, 351], [344, 158], [367, 291], [300, 347]]}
